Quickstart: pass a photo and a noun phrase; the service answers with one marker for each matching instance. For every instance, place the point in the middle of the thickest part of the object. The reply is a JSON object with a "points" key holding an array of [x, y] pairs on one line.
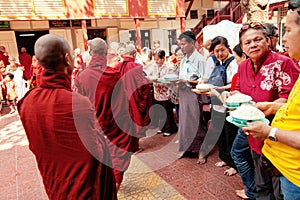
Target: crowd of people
{"points": [[14, 76], [93, 108]]}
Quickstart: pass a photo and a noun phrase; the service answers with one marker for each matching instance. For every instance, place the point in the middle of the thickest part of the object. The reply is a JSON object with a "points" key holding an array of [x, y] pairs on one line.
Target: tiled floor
{"points": [[154, 174]]}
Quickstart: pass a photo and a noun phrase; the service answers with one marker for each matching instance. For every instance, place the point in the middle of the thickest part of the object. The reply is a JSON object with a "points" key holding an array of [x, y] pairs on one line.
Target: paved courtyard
{"points": [[154, 174]]}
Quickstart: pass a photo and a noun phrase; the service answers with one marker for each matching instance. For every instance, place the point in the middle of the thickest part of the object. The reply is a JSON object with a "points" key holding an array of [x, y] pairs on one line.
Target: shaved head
{"points": [[2, 48], [23, 50], [98, 46], [51, 50]]}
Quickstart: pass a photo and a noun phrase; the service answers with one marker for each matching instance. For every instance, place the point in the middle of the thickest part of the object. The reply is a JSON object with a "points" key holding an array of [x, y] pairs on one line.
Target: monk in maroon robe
{"points": [[37, 70], [131, 100], [3, 63], [3, 56], [137, 94], [99, 83], [63, 134], [25, 61]]}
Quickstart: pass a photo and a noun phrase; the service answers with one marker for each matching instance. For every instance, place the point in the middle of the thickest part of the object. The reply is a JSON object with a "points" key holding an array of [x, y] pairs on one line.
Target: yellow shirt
{"points": [[285, 158]]}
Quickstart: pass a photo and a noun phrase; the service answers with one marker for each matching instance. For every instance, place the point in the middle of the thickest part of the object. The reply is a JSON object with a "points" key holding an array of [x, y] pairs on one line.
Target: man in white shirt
{"points": [[192, 126]]}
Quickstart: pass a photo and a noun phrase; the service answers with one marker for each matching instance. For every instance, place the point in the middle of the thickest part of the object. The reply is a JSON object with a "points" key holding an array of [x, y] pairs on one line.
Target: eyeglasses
{"points": [[254, 25]]}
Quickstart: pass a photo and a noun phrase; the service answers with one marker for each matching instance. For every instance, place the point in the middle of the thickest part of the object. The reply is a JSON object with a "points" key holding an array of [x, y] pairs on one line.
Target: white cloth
{"points": [[86, 57], [20, 83]]}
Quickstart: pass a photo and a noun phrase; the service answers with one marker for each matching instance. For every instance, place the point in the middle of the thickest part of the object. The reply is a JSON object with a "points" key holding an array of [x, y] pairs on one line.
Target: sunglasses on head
{"points": [[254, 25], [294, 5]]}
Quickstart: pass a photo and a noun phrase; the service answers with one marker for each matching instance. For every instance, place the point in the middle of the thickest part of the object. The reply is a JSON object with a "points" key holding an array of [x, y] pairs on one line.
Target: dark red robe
{"points": [[25, 60], [137, 93], [37, 70], [4, 58], [64, 136], [104, 86]]}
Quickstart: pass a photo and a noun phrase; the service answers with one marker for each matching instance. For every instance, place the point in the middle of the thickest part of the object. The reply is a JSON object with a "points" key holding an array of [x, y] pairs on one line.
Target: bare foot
{"points": [[221, 164], [237, 191], [202, 158], [230, 172], [241, 194]]}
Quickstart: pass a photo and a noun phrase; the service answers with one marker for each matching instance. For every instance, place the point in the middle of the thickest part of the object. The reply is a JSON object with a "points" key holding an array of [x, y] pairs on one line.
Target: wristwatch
{"points": [[272, 134]]}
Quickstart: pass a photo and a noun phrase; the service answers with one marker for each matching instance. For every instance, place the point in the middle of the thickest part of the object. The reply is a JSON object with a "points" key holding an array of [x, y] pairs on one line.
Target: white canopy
{"points": [[225, 28]]}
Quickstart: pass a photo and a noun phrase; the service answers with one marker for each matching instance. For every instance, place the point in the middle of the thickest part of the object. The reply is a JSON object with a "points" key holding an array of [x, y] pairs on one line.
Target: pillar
{"points": [[138, 34], [84, 34], [182, 24]]}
